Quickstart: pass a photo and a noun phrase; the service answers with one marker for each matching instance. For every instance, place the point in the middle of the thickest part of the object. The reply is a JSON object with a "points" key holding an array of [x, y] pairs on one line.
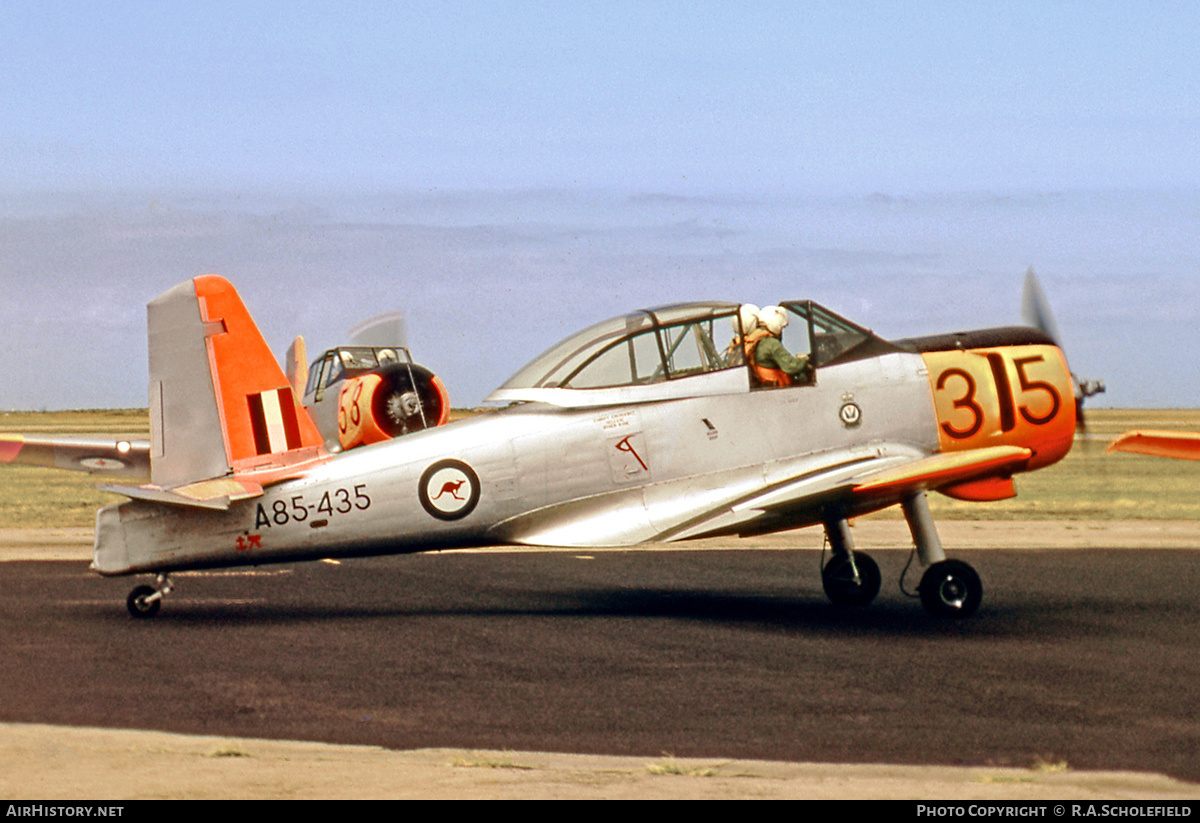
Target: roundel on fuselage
{"points": [[449, 489]]}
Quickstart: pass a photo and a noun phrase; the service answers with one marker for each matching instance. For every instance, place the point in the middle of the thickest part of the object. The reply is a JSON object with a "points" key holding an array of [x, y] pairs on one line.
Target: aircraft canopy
{"points": [[647, 354]]}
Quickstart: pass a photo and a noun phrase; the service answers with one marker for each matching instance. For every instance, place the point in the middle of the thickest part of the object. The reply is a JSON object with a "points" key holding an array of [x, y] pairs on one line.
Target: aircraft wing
{"points": [[760, 499], [953, 473], [98, 455], [868, 485], [1179, 445], [125, 458]]}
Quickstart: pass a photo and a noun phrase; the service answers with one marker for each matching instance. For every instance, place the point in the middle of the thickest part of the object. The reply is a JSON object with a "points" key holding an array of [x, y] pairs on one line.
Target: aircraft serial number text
{"points": [[296, 510]]}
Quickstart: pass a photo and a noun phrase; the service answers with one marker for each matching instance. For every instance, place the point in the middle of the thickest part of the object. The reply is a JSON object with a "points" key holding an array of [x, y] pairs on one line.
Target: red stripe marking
{"points": [[291, 425]]}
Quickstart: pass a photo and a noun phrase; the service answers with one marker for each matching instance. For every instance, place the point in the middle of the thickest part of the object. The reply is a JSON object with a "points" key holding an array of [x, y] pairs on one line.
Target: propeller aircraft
{"points": [[358, 395], [643, 428], [369, 391]]}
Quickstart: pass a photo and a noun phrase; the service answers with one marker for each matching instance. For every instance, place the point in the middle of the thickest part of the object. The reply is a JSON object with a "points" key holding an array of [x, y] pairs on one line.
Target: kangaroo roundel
{"points": [[449, 489]]}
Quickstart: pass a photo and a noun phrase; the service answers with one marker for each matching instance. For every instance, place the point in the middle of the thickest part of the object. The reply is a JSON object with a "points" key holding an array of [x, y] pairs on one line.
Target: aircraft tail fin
{"points": [[219, 402], [296, 363]]}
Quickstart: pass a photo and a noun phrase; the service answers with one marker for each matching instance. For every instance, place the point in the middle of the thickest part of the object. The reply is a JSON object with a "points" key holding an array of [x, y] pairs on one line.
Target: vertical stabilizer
{"points": [[219, 402], [186, 442]]}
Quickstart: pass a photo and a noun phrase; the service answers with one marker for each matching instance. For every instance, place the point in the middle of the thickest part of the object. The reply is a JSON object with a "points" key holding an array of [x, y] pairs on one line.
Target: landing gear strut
{"points": [[949, 588], [145, 601], [850, 578]]}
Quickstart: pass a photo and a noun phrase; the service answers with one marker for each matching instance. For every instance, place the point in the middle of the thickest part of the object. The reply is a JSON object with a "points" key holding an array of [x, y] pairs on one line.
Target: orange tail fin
{"points": [[220, 403]]}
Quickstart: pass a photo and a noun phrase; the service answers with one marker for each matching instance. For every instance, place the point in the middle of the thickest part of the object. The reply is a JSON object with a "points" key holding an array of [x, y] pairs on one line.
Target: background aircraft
{"points": [[370, 390], [358, 395], [1179, 445], [643, 428]]}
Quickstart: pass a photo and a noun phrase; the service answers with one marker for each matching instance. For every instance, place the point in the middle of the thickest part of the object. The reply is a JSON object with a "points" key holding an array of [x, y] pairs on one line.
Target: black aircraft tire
{"points": [[838, 580], [951, 588], [137, 604]]}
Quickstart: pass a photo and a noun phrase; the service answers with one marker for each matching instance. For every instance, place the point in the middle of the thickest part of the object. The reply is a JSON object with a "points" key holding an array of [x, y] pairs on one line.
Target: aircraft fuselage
{"points": [[536, 474]]}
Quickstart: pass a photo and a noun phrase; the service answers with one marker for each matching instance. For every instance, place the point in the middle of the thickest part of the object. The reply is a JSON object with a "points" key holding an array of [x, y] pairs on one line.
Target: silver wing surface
{"points": [[779, 495], [99, 455]]}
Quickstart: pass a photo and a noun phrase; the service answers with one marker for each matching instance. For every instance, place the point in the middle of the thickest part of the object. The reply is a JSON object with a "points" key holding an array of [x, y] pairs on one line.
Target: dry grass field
{"points": [[1092, 484], [33, 498], [1089, 484]]}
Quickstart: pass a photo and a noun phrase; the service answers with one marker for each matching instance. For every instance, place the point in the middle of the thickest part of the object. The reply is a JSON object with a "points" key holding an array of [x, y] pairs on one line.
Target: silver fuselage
{"points": [[617, 474]]}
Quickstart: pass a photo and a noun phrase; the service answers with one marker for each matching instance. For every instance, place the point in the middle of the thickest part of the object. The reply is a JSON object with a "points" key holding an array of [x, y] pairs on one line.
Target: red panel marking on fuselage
{"points": [[626, 446]]}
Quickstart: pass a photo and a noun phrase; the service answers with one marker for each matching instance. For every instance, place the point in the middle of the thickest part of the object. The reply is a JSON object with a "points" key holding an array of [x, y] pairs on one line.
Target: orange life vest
{"points": [[766, 375]]}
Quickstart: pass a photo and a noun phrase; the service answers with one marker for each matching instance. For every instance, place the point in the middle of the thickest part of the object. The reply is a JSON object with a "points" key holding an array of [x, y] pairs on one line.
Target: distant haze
{"points": [[506, 171], [487, 280]]}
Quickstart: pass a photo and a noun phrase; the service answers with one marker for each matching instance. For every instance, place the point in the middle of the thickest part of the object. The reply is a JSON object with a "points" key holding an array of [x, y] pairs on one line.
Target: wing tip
{"points": [[1158, 443]]}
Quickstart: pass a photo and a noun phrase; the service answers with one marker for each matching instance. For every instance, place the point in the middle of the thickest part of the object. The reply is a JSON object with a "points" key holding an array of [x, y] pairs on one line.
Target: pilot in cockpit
{"points": [[773, 365], [744, 323]]}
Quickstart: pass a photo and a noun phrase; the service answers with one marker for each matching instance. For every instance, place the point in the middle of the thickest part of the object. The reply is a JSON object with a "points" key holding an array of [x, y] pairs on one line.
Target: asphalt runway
{"points": [[1083, 657]]}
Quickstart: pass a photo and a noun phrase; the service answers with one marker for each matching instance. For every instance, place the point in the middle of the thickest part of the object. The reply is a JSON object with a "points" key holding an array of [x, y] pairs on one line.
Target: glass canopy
{"points": [[668, 347]]}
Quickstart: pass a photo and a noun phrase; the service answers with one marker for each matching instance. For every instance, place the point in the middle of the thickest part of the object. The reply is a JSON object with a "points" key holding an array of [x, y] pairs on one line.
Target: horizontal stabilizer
{"points": [[208, 494], [1178, 445], [98, 455]]}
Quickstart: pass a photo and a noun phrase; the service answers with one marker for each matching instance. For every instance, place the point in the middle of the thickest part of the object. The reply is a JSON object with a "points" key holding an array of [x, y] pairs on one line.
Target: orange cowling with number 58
{"points": [[378, 406], [1004, 396], [356, 423]]}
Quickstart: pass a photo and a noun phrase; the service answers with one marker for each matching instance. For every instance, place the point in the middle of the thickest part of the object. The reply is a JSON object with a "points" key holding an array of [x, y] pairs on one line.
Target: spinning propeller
{"points": [[386, 330], [383, 331], [1035, 311]]}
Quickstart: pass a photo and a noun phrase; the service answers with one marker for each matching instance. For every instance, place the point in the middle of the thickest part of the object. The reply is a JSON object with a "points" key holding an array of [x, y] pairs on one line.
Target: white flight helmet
{"points": [[746, 320], [773, 319]]}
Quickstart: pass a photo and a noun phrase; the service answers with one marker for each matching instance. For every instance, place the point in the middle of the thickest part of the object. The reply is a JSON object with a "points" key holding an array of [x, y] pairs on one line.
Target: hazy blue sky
{"points": [[506, 172], [794, 97]]}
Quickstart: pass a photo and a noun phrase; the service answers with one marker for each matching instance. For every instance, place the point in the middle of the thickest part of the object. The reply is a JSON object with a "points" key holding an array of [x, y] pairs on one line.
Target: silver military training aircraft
{"points": [[649, 427]]}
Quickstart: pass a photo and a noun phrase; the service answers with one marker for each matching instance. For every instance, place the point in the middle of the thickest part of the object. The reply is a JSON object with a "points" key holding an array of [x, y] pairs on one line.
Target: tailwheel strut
{"points": [[145, 601]]}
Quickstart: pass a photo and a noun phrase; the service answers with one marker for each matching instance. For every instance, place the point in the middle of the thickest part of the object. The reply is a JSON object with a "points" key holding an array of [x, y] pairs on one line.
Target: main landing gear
{"points": [[850, 578], [145, 601], [949, 588]]}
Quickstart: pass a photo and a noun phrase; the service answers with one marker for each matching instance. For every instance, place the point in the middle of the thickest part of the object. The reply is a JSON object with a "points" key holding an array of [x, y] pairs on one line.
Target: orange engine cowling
{"points": [[388, 403]]}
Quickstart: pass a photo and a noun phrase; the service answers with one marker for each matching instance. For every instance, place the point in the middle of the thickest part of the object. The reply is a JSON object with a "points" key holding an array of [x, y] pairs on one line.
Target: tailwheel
{"points": [[142, 601], [951, 588], [145, 601], [840, 584]]}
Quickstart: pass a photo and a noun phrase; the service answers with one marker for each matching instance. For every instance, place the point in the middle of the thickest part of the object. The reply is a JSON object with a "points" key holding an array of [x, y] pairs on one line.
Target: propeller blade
{"points": [[384, 331], [1035, 311], [1035, 308]]}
